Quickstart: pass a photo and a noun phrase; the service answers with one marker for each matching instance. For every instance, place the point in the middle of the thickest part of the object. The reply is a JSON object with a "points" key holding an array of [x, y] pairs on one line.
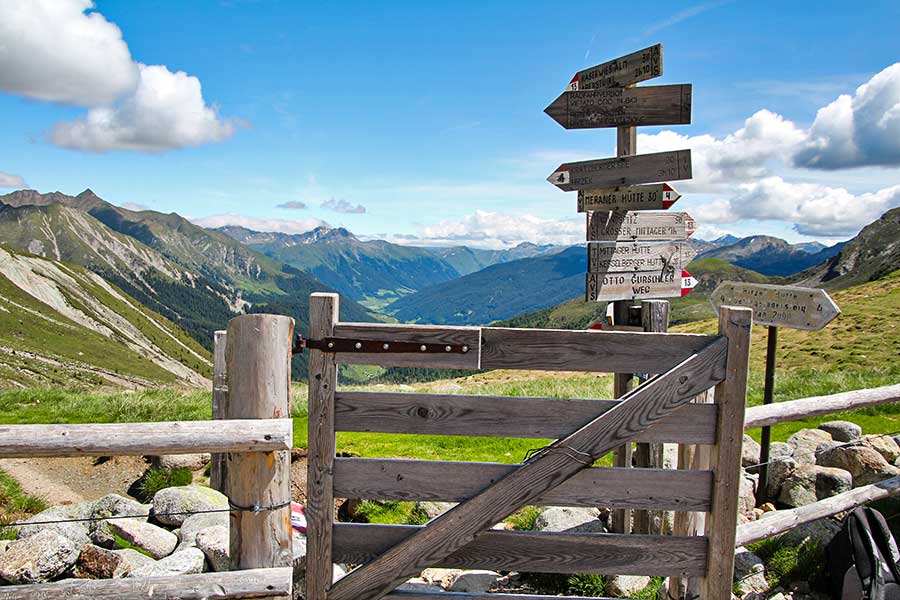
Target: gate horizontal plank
{"points": [[587, 350], [543, 552], [252, 583], [428, 334], [503, 416], [408, 595], [433, 480]]}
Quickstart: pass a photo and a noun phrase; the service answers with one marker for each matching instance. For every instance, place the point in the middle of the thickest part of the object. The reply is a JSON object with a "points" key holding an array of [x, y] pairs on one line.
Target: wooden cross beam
{"points": [[639, 410]]}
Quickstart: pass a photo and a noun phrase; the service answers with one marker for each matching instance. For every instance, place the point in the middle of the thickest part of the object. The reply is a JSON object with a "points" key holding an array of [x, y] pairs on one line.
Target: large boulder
{"points": [[884, 445], [571, 519], [746, 496], [214, 543], [864, 463], [95, 562], [77, 532], [804, 444], [749, 573], [38, 558], [779, 470], [749, 452], [435, 509], [473, 582], [809, 483], [171, 506], [132, 558], [113, 505], [156, 541], [194, 524], [779, 450], [842, 431], [622, 586], [185, 562], [831, 482], [194, 462]]}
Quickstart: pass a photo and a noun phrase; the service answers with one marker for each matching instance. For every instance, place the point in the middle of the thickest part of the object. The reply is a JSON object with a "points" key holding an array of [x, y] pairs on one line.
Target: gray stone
{"points": [[435, 509], [194, 524], [799, 489], [779, 450], [804, 444], [185, 562], [571, 519], [473, 582], [113, 505], [746, 497], [831, 482], [185, 499], [749, 452], [625, 585], [298, 545], [133, 558], [818, 532], [884, 445], [95, 562], [214, 543], [194, 462], [420, 586], [779, 470], [749, 573], [76, 532], [842, 431], [157, 542], [864, 463], [38, 558]]}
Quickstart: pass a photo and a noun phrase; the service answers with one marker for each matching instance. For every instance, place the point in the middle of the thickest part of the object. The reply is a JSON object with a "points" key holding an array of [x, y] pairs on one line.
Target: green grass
{"points": [[524, 519], [158, 479], [787, 563], [15, 504], [391, 512]]}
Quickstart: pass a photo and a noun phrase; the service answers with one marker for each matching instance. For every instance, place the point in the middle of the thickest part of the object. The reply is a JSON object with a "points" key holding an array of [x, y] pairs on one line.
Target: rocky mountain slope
{"points": [[770, 255]]}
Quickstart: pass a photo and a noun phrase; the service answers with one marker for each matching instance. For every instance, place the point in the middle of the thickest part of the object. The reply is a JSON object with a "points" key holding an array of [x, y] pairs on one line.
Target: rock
{"points": [[799, 489], [158, 542], [804, 444], [749, 573], [194, 524], [194, 462], [299, 579], [884, 445], [625, 585], [825, 447], [779, 470], [38, 558], [185, 499], [185, 562], [4, 545], [420, 586], [818, 532], [746, 497], [767, 507], [438, 576], [831, 482], [435, 509], [779, 450], [95, 562], [214, 543], [749, 452], [298, 545], [113, 505], [133, 558], [863, 462], [842, 431], [473, 582], [76, 532], [571, 519]]}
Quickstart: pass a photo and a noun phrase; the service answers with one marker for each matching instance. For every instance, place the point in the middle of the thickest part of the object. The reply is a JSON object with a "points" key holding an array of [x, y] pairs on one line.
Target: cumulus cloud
{"points": [[55, 50], [167, 110], [260, 223], [292, 205], [858, 130], [342, 206], [8, 180], [135, 206]]}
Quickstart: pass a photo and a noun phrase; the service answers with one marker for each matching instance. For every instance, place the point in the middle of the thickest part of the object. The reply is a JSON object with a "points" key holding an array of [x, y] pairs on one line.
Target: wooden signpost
{"points": [[619, 226], [660, 196], [775, 306], [623, 170], [637, 286], [636, 67], [617, 107], [638, 256]]}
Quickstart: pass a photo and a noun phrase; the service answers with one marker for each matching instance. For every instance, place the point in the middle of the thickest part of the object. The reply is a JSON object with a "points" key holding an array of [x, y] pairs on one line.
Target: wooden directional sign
{"points": [[638, 256], [624, 170], [778, 305], [657, 196], [634, 286], [620, 226], [621, 107], [638, 66]]}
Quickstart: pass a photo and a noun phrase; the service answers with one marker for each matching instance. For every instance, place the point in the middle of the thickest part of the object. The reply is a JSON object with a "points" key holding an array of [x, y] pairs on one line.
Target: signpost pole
{"points": [[768, 395]]}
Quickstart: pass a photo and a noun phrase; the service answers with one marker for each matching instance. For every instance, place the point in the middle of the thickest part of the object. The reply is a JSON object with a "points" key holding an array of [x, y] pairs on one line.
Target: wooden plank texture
{"points": [[219, 395], [536, 551], [450, 532], [429, 334], [617, 107], [628, 226], [408, 595], [631, 257], [622, 170], [793, 410], [501, 416], [595, 351], [432, 480], [626, 70], [601, 287], [138, 439], [251, 583], [656, 196]]}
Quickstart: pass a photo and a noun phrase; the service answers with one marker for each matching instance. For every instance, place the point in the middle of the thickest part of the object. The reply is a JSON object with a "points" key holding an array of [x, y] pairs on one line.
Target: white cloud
{"points": [[135, 206], [292, 205], [260, 223], [166, 111], [342, 206], [54, 50], [858, 130], [8, 180]]}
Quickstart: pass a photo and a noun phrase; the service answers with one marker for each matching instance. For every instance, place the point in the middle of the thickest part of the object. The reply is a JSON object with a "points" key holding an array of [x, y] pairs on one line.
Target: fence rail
{"points": [[793, 410]]}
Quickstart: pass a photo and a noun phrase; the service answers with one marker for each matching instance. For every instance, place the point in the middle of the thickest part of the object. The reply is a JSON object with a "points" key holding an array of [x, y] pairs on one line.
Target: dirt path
{"points": [[68, 480]]}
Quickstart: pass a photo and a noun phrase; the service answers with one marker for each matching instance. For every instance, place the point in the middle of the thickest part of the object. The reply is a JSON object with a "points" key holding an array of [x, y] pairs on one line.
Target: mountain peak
{"points": [[324, 233], [726, 239], [87, 193]]}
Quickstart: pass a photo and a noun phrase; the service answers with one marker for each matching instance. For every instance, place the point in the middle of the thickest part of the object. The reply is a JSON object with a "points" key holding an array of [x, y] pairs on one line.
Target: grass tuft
{"points": [[158, 479]]}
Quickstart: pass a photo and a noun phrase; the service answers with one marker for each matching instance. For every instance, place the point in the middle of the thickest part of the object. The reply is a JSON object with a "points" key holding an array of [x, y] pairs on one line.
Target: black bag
{"points": [[863, 559]]}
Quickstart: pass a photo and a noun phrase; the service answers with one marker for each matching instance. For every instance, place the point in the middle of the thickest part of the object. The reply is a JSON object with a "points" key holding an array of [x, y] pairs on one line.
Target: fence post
{"points": [[323, 315], [258, 370], [725, 459], [219, 394]]}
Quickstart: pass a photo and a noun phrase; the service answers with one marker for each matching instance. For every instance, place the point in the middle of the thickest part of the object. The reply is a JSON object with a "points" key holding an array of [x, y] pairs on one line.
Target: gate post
{"points": [[219, 394], [323, 315], [258, 359]]}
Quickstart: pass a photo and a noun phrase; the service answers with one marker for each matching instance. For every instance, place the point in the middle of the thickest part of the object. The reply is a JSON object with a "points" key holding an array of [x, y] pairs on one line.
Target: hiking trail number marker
{"points": [[776, 306]]}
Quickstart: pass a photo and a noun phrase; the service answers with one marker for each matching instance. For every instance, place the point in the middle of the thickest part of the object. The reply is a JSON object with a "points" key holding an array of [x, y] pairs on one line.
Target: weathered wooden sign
{"points": [[636, 286], [778, 305], [657, 196], [638, 66], [620, 226], [638, 256], [619, 107], [623, 170]]}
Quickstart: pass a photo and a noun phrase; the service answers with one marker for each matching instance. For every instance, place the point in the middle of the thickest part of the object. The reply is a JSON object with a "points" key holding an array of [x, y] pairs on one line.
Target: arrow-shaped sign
{"points": [[638, 66], [622, 107], [618, 226], [624, 170], [657, 196], [638, 256], [778, 305], [634, 286]]}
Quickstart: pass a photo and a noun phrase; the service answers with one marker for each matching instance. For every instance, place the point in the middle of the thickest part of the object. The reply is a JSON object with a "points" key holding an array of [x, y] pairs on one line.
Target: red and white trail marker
{"points": [[688, 282], [657, 196]]}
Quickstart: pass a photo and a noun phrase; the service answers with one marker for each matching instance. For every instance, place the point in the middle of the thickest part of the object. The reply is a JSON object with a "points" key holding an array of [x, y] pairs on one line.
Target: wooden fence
{"points": [[560, 474], [254, 446]]}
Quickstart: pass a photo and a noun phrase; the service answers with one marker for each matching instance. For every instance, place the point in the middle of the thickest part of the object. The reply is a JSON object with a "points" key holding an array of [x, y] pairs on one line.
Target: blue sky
{"points": [[428, 116]]}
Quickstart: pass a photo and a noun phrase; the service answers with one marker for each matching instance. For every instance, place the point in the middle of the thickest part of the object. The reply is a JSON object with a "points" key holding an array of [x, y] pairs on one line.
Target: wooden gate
{"points": [[561, 474]]}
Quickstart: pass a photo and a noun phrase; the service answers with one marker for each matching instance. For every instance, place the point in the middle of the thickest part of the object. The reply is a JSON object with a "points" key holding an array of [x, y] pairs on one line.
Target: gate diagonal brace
{"points": [[365, 346], [639, 410]]}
